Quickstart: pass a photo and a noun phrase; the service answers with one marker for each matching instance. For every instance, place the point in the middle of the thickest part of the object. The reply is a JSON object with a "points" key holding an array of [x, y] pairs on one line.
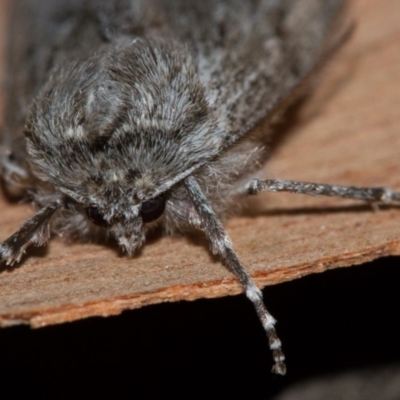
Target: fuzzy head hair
{"points": [[114, 131]]}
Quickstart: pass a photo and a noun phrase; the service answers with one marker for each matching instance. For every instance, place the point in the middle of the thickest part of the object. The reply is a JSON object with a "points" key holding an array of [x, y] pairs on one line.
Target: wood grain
{"points": [[346, 133]]}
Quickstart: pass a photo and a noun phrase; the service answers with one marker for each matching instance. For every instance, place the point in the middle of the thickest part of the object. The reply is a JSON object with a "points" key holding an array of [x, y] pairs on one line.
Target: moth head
{"points": [[128, 228]]}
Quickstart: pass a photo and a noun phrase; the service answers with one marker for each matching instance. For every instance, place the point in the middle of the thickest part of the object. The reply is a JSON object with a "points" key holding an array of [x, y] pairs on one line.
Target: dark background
{"points": [[337, 321]]}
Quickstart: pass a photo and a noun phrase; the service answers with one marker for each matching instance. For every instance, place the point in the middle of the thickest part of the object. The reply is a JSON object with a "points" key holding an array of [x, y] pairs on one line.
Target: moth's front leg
{"points": [[36, 230], [221, 245]]}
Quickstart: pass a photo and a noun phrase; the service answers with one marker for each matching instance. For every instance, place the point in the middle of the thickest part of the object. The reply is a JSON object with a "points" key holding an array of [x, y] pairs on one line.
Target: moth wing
{"points": [[250, 54]]}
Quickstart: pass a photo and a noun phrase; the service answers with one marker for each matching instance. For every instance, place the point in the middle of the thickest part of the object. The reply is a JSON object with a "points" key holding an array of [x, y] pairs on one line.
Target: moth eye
{"points": [[152, 209], [96, 217]]}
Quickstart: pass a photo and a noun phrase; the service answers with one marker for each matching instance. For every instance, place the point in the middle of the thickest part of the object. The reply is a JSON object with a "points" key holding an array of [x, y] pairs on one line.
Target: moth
{"points": [[122, 115]]}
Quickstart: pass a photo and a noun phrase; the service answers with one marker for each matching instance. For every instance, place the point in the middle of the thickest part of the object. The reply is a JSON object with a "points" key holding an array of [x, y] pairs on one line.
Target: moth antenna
{"points": [[370, 194], [221, 245], [35, 230]]}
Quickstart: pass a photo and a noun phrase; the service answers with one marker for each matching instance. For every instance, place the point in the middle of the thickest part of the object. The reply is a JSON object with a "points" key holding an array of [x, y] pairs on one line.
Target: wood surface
{"points": [[347, 132]]}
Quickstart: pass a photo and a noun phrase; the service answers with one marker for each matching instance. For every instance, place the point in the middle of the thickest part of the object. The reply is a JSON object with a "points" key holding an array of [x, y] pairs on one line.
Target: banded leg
{"points": [[221, 245], [370, 194]]}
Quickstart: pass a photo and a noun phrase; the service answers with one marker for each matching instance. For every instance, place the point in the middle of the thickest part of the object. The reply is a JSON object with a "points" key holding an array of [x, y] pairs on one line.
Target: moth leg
{"points": [[35, 230], [370, 194], [15, 178], [221, 245]]}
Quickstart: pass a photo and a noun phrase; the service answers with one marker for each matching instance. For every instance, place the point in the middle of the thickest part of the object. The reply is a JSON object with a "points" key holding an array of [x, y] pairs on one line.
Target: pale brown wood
{"points": [[347, 133]]}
